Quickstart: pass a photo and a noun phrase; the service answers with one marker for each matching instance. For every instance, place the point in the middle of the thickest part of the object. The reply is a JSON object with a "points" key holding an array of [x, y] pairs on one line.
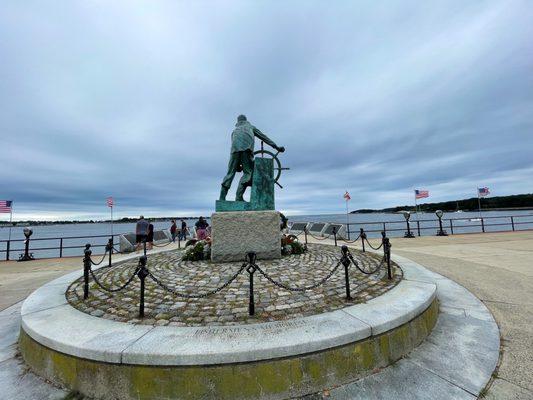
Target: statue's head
{"points": [[241, 118]]}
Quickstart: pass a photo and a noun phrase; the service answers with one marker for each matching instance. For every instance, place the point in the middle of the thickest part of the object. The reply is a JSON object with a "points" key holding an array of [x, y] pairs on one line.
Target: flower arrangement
{"points": [[291, 245], [200, 250]]}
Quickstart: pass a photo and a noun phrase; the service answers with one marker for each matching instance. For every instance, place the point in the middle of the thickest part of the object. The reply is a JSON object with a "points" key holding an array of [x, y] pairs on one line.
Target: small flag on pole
{"points": [[482, 192], [110, 202], [421, 194], [347, 196], [5, 206]]}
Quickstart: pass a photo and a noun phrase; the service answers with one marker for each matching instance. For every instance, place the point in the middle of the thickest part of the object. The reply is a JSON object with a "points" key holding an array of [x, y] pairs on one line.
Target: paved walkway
{"points": [[498, 269]]}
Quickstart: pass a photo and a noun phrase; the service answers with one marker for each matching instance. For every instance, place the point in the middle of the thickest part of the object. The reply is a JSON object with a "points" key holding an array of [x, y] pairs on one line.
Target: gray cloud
{"points": [[138, 101]]}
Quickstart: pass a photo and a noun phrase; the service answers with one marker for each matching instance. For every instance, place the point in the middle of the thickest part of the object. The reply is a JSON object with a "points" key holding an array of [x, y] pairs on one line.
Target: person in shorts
{"points": [[141, 232]]}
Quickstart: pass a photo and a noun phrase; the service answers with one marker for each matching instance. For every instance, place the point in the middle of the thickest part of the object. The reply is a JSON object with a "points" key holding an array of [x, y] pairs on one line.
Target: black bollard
{"points": [[363, 237], [250, 260], [346, 262], [386, 252], [86, 267], [109, 247], [142, 274], [335, 235]]}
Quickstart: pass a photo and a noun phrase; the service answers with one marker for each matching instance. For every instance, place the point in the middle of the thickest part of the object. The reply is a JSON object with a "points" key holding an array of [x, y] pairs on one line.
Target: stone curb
{"points": [[50, 320]]}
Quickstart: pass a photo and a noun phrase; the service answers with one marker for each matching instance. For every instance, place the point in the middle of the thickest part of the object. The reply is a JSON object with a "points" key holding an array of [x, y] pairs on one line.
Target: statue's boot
{"points": [[240, 193], [223, 193]]}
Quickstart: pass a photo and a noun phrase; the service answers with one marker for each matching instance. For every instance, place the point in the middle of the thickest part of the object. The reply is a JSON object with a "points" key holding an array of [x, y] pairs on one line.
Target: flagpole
{"points": [[479, 203], [10, 221], [416, 206], [111, 221]]}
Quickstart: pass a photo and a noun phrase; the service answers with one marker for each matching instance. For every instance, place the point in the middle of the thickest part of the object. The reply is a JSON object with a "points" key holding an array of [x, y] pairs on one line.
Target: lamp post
{"points": [[26, 256], [440, 232], [407, 216]]}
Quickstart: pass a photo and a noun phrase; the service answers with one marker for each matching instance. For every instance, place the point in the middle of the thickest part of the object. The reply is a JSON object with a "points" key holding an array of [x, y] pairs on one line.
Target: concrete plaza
{"points": [[496, 267]]}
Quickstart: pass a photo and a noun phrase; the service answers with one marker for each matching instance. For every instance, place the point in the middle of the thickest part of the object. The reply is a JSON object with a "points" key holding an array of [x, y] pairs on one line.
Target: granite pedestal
{"points": [[236, 233]]}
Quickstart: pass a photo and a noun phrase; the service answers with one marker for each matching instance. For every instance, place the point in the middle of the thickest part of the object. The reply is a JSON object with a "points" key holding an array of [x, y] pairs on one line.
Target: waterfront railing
{"points": [[68, 246]]}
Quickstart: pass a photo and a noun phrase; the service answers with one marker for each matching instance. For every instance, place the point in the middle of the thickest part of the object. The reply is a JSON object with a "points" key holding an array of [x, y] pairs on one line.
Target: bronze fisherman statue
{"points": [[242, 156]]}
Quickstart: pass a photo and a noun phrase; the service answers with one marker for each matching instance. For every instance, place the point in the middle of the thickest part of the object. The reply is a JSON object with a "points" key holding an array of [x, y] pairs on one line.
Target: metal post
{"points": [[363, 237], [441, 232], [512, 223], [451, 226], [386, 251], [305, 233], [384, 227], [335, 235], [61, 248], [482, 225], [346, 262], [86, 268], [418, 226], [250, 259], [7, 249], [179, 241], [109, 248], [142, 274], [348, 231]]}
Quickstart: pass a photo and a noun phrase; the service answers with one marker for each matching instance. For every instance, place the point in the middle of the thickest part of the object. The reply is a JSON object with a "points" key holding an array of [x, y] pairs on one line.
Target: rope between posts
{"points": [[296, 289], [103, 287], [362, 270], [375, 248], [197, 296]]}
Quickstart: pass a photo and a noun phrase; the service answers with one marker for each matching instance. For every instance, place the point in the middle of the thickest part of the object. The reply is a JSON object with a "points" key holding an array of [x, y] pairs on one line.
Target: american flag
{"points": [[110, 202], [482, 192], [420, 194], [347, 196], [5, 206]]}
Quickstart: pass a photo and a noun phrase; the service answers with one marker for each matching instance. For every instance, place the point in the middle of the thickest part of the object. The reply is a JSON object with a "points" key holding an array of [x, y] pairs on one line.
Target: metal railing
{"points": [[11, 247], [452, 226]]}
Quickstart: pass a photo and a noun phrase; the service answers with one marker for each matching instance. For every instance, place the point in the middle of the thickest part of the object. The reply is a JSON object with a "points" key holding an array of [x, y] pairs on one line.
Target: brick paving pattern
{"points": [[230, 305]]}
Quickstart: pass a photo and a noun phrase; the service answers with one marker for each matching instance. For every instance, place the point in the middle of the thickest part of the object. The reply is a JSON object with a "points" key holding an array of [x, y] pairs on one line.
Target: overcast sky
{"points": [[137, 100]]}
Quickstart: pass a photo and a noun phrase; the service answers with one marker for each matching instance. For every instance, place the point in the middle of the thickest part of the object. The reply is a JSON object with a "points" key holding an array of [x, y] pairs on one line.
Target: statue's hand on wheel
{"points": [[281, 149]]}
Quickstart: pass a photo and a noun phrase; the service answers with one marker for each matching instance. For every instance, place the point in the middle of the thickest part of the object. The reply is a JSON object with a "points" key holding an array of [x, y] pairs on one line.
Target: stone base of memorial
{"points": [[236, 233], [102, 358]]}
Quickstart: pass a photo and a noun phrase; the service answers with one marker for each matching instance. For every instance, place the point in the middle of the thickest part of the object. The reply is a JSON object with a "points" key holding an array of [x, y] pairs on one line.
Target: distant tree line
{"points": [[517, 201]]}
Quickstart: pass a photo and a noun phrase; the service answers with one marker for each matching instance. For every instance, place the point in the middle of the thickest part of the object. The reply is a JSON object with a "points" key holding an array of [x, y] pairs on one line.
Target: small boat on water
{"points": [[475, 219]]}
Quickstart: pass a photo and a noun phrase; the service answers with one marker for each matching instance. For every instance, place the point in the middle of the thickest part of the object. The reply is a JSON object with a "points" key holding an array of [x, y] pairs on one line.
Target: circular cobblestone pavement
{"points": [[230, 305]]}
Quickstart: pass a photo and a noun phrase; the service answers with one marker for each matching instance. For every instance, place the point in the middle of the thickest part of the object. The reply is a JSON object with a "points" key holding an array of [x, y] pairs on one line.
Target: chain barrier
{"points": [[162, 245], [197, 296], [383, 260], [375, 248], [318, 237], [349, 241], [103, 287], [103, 258], [118, 251], [296, 289]]}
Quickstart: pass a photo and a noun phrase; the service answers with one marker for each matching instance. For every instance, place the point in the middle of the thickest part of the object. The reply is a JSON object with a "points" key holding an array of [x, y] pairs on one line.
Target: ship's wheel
{"points": [[277, 164]]}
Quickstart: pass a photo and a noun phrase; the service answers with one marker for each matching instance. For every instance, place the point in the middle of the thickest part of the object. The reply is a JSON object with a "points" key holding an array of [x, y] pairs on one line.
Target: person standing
{"points": [[183, 230], [141, 230], [201, 229], [173, 229], [150, 236]]}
